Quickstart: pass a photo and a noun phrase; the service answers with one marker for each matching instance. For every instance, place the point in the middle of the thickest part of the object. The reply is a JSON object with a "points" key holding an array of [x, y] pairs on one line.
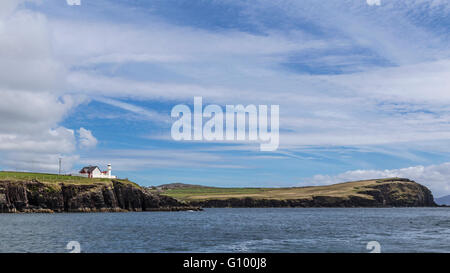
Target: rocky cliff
{"points": [[398, 192], [114, 196], [117, 196]]}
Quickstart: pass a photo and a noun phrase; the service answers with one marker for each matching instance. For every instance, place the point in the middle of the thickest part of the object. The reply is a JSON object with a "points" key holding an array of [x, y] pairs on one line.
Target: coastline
{"points": [[87, 196], [98, 196]]}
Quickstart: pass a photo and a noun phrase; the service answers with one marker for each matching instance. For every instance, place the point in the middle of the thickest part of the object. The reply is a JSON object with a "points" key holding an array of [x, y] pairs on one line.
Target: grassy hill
{"points": [[56, 179], [197, 193], [365, 193]]}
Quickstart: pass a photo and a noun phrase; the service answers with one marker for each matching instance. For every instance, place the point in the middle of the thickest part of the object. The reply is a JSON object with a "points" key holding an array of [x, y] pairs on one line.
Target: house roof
{"points": [[88, 169]]}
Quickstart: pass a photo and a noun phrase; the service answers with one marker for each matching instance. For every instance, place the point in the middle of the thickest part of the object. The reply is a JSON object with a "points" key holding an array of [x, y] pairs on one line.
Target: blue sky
{"points": [[363, 88]]}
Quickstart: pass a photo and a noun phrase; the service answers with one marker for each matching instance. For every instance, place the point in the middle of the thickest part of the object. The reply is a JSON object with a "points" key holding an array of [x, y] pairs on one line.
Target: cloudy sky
{"points": [[363, 88]]}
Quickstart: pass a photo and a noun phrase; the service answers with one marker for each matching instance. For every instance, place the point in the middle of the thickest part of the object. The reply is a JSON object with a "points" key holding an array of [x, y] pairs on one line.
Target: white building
{"points": [[95, 172]]}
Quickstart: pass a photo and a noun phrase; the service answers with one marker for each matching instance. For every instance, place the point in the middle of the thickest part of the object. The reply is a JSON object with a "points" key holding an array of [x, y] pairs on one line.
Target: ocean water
{"points": [[232, 230]]}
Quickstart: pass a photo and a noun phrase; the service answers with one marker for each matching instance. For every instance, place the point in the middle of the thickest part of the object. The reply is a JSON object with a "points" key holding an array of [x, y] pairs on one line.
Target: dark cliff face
{"points": [[404, 194], [34, 196]]}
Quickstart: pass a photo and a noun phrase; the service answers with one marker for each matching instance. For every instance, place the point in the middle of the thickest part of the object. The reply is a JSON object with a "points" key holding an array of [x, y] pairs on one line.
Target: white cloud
{"points": [[160, 43], [374, 2], [59, 140], [228, 67], [156, 157], [435, 177], [31, 103], [29, 161], [385, 106], [359, 101], [426, 82], [86, 139], [29, 112], [8, 6], [73, 2], [140, 111], [38, 150], [26, 53]]}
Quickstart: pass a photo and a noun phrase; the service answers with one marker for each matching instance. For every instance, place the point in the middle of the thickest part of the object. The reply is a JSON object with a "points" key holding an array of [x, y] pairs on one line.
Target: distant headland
{"points": [[36, 192], [390, 192]]}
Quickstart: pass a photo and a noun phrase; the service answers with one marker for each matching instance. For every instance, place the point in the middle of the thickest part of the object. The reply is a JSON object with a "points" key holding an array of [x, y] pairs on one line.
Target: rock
{"points": [[37, 197]]}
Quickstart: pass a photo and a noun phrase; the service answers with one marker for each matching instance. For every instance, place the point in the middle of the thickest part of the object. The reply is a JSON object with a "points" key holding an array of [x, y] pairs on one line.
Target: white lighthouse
{"points": [[95, 172]]}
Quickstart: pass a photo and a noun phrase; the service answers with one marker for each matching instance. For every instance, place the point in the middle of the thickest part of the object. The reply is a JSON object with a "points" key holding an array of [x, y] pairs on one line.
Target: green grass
{"points": [[56, 179], [337, 190], [188, 193]]}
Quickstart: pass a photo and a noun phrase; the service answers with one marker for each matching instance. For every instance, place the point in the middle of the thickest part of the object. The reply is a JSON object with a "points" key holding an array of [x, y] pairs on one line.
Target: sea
{"points": [[236, 230]]}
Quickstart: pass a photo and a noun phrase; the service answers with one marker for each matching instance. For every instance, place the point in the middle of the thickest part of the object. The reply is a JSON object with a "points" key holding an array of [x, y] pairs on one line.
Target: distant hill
{"points": [[178, 186], [391, 192], [444, 200]]}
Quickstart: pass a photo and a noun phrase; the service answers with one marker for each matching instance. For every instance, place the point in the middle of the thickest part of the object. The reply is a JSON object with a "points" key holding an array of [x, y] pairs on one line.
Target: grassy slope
{"points": [[336, 190], [56, 179]]}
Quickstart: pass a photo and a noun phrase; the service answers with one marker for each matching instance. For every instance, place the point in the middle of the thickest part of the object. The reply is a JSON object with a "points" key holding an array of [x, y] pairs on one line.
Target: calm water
{"points": [[232, 230]]}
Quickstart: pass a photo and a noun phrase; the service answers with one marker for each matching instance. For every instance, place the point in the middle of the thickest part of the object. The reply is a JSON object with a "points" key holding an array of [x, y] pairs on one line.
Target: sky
{"points": [[363, 88]]}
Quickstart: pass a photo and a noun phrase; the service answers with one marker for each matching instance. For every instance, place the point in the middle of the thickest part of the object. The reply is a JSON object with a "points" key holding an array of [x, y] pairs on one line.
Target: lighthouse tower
{"points": [[109, 171]]}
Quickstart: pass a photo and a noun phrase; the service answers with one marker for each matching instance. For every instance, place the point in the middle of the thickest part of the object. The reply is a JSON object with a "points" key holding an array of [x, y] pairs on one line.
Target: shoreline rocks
{"points": [[37, 197]]}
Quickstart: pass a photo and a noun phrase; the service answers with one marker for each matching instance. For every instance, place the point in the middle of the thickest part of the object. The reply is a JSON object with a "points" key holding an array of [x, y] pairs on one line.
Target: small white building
{"points": [[95, 172]]}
